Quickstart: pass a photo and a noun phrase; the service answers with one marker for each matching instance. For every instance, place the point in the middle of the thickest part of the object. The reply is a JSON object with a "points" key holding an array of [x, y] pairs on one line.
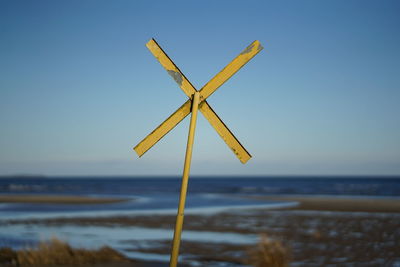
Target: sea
{"points": [[160, 195]]}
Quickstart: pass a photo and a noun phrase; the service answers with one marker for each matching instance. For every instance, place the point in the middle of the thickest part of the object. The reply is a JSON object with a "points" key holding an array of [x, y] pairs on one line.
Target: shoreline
{"points": [[337, 203], [57, 199], [322, 238], [159, 219], [305, 202]]}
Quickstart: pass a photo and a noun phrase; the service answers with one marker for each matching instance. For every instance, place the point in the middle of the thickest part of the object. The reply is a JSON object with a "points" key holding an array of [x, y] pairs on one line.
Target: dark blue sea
{"points": [[355, 186], [158, 193]]}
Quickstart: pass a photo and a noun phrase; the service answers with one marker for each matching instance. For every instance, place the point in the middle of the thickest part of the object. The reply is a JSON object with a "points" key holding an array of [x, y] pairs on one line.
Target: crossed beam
{"points": [[209, 88], [197, 101]]}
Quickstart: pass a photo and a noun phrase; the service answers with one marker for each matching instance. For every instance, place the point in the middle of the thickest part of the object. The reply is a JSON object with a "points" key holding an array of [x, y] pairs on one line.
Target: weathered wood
{"points": [[236, 64], [163, 128], [223, 131], [197, 100], [185, 179], [219, 79]]}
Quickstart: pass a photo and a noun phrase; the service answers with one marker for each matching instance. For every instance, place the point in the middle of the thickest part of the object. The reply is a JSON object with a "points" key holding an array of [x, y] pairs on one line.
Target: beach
{"points": [[306, 221], [317, 231], [335, 203], [316, 203]]}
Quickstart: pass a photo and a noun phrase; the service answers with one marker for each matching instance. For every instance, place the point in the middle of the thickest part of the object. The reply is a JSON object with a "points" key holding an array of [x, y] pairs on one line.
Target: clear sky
{"points": [[79, 89]]}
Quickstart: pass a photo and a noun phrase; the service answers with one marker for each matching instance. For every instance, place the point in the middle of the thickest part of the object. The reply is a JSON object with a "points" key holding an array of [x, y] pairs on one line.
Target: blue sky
{"points": [[79, 89]]}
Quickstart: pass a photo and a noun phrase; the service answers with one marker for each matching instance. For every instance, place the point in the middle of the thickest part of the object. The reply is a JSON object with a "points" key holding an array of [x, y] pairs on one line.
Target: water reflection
{"points": [[120, 238]]}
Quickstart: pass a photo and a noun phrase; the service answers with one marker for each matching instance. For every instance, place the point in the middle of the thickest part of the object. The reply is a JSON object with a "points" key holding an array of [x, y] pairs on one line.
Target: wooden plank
{"points": [[236, 64], [233, 143], [185, 180], [219, 79], [171, 68], [219, 126], [173, 120]]}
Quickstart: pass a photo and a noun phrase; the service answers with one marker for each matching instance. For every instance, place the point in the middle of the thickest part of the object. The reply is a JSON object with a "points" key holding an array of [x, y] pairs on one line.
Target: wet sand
{"points": [[326, 203], [50, 199], [320, 231]]}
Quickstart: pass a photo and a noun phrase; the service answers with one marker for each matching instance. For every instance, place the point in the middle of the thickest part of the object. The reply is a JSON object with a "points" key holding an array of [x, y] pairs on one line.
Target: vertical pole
{"points": [[182, 199]]}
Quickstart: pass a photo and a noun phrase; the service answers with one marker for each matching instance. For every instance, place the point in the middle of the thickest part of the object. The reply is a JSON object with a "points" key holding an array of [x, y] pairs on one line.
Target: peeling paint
{"points": [[176, 76], [247, 54], [260, 47], [248, 49]]}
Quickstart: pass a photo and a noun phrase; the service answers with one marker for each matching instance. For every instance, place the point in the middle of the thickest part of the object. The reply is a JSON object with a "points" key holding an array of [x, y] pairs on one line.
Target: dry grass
{"points": [[7, 257], [269, 253], [58, 253]]}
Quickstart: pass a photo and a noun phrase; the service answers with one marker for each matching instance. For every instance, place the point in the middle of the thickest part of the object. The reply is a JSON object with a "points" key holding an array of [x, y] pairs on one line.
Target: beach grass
{"points": [[269, 253], [54, 252], [58, 253]]}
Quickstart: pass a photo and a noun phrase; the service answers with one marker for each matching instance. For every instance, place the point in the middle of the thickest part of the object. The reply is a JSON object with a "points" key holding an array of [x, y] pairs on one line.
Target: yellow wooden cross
{"points": [[197, 101]]}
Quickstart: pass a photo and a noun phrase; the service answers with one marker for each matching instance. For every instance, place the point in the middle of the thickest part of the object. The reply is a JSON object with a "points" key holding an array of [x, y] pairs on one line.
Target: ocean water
{"points": [[368, 185], [162, 193]]}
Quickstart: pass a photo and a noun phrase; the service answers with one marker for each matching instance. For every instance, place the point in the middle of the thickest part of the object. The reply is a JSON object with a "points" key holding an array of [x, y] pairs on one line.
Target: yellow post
{"points": [[182, 199]]}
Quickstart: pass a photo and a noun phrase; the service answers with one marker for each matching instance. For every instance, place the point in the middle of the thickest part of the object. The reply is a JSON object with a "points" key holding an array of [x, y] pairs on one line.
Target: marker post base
{"points": [[186, 169]]}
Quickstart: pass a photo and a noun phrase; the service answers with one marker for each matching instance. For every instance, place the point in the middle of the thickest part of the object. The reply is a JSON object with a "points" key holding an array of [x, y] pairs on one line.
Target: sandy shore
{"points": [[358, 231], [50, 199], [327, 203]]}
